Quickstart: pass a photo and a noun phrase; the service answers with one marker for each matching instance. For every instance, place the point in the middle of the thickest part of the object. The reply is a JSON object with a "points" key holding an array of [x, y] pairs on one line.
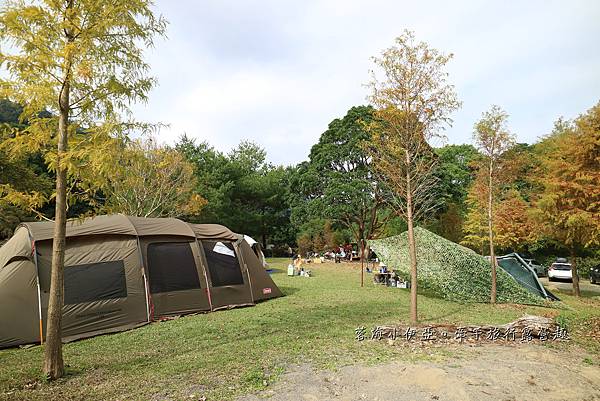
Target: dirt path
{"points": [[490, 372]]}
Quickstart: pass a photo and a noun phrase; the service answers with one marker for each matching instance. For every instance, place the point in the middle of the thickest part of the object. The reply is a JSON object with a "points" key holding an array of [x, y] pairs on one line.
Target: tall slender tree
{"points": [[492, 138], [413, 103], [82, 61]]}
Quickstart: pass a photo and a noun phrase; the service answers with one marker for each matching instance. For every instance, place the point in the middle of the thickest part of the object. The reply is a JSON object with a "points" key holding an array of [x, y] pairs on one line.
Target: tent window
{"points": [[172, 267], [95, 282], [223, 264]]}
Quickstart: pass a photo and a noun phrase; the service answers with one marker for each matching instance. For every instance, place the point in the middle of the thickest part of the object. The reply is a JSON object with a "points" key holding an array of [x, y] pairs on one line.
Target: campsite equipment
{"points": [[122, 272]]}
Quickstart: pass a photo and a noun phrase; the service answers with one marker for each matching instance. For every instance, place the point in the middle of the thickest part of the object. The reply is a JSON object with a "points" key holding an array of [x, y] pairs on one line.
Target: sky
{"points": [[277, 72]]}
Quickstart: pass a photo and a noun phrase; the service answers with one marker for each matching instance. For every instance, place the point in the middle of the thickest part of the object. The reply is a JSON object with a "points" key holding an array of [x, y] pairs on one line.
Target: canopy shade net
{"points": [[122, 272], [451, 271]]}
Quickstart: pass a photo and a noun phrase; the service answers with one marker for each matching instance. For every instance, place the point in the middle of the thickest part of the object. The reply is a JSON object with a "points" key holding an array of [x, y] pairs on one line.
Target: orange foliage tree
{"points": [[515, 228], [570, 203]]}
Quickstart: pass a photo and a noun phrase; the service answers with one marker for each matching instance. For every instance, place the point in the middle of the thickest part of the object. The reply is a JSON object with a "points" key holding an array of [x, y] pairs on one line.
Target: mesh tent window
{"points": [[95, 282], [223, 263], [172, 267]]}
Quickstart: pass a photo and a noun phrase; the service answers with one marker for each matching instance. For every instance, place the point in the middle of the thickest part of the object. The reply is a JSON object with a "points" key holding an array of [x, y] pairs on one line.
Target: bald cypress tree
{"points": [[81, 61]]}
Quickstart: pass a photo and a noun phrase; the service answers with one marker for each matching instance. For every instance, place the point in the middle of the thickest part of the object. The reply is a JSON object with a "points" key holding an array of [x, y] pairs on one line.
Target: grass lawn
{"points": [[227, 353]]}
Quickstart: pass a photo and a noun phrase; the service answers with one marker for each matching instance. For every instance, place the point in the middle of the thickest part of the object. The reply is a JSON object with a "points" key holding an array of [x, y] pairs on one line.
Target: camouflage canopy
{"points": [[452, 271]]}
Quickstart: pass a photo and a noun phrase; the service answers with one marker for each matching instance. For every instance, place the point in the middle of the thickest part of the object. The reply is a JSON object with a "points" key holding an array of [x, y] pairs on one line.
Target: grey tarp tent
{"points": [[517, 267], [122, 272]]}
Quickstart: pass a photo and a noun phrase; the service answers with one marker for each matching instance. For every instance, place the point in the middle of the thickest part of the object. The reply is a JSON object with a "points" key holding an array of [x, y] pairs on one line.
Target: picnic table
{"points": [[382, 278]]}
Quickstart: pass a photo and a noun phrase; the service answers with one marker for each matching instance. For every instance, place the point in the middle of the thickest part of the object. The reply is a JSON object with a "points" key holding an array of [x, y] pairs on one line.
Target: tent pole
{"points": [[242, 261], [139, 246], [204, 267], [39, 293]]}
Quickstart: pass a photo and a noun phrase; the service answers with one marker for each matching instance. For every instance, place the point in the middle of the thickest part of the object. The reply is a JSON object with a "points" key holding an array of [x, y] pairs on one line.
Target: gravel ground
{"points": [[490, 372]]}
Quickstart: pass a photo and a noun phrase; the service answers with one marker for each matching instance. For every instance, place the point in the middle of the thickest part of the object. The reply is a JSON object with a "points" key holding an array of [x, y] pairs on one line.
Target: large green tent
{"points": [[122, 272]]}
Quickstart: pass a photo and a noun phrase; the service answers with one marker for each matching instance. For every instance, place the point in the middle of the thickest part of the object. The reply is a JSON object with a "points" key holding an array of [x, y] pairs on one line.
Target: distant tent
{"points": [[257, 250], [514, 265], [122, 272]]}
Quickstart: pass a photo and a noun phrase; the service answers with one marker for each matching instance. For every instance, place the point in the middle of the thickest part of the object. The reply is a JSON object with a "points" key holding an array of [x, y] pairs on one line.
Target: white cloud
{"points": [[277, 72]]}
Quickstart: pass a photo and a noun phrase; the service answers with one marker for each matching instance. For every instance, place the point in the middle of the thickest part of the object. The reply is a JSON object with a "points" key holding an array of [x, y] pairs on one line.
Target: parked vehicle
{"points": [[537, 267], [595, 274], [561, 270]]}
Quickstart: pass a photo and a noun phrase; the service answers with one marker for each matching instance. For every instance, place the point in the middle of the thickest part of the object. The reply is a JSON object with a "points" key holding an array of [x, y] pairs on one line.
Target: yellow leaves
{"points": [[36, 137], [195, 204], [93, 44], [24, 200], [491, 134], [152, 181], [84, 71]]}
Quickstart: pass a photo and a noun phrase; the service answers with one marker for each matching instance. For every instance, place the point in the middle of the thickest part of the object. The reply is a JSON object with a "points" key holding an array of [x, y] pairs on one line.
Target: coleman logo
{"points": [[266, 290]]}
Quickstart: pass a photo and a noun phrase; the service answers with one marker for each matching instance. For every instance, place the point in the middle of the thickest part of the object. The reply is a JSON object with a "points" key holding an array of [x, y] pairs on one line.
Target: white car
{"points": [[560, 271]]}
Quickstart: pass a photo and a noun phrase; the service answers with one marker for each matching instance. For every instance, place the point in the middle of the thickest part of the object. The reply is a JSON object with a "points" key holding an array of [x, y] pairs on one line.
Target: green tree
{"points": [[81, 61], [338, 182], [520, 169], [475, 227], [413, 102], [455, 172], [211, 179], [319, 235], [243, 191], [24, 183], [10, 112], [570, 203]]}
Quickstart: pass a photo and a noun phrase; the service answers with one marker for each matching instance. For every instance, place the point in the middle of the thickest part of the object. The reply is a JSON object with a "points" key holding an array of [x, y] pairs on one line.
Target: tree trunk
{"points": [[53, 359], [575, 280], [491, 233], [412, 249], [362, 263], [360, 235]]}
